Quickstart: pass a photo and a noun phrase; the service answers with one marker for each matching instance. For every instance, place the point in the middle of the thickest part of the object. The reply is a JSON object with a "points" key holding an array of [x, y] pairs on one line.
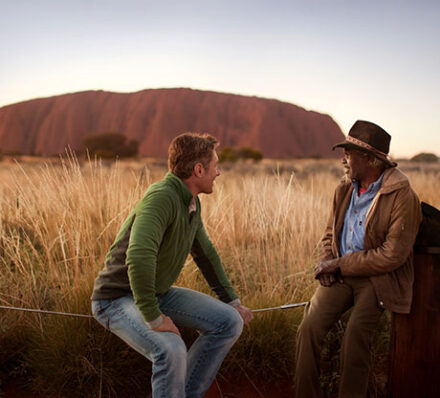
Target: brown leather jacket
{"points": [[391, 227]]}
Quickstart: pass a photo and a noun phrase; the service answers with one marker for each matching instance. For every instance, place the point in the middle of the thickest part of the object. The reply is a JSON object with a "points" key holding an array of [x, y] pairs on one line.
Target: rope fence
{"points": [[4, 307]]}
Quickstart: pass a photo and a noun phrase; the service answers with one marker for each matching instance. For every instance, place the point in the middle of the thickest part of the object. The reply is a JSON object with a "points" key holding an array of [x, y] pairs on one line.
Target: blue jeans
{"points": [[177, 373]]}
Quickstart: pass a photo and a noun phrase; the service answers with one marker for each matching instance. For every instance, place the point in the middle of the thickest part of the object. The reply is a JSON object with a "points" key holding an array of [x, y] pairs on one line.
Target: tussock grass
{"points": [[59, 219]]}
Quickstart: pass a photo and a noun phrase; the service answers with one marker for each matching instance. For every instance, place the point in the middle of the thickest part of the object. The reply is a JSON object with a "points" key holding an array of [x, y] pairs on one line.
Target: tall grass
{"points": [[59, 219]]}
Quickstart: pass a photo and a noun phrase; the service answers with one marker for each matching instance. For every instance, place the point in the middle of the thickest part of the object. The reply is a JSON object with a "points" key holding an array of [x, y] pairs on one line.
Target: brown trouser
{"points": [[325, 308]]}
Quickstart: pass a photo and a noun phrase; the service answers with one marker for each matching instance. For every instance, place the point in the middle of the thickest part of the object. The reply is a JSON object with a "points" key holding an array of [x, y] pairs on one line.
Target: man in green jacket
{"points": [[133, 295], [366, 261]]}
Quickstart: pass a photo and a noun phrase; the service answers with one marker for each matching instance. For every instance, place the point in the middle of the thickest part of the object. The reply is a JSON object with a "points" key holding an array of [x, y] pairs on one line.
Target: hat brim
{"points": [[350, 145]]}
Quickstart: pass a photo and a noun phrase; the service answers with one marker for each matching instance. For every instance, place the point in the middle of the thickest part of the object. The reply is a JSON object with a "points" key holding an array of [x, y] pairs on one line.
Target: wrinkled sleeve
{"points": [[208, 261], [153, 216], [326, 242]]}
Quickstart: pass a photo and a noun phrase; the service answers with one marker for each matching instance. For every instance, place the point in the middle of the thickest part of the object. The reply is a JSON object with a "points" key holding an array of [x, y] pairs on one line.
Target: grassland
{"points": [[58, 219]]}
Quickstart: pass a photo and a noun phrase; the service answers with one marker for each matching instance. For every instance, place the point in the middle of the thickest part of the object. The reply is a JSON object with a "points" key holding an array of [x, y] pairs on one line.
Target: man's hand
{"points": [[167, 325], [328, 267], [327, 279], [245, 313]]}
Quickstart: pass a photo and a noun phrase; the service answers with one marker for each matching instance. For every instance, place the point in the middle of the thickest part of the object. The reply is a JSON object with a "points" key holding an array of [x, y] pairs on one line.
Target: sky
{"points": [[371, 60]]}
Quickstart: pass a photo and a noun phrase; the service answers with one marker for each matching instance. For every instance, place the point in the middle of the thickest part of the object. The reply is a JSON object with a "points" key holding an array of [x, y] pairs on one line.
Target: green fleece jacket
{"points": [[152, 246]]}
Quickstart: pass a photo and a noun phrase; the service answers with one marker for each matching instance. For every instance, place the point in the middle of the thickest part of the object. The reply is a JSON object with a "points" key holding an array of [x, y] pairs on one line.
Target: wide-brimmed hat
{"points": [[371, 138]]}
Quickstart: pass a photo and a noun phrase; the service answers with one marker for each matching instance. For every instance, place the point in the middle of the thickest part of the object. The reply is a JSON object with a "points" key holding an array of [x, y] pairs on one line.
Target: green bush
{"points": [[231, 154], [227, 154], [249, 153], [110, 145]]}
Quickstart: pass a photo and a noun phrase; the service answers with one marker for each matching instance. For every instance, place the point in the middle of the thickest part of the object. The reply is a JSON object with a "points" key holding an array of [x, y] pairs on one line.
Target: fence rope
{"points": [[4, 307]]}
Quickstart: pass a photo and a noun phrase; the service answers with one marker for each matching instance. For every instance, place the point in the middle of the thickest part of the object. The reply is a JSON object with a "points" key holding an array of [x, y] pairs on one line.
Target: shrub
{"points": [[110, 145], [230, 154], [227, 154], [425, 157], [249, 153]]}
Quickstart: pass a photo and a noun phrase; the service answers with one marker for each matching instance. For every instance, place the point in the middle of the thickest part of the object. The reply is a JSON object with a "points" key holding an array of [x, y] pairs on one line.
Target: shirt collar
{"points": [[373, 187], [192, 205], [182, 189]]}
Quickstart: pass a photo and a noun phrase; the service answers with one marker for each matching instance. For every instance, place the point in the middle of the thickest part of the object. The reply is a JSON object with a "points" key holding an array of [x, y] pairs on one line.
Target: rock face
{"points": [[46, 126]]}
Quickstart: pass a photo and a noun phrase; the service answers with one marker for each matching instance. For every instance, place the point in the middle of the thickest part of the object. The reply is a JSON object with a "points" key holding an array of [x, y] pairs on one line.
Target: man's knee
{"points": [[313, 329], [306, 327], [171, 350], [232, 324]]}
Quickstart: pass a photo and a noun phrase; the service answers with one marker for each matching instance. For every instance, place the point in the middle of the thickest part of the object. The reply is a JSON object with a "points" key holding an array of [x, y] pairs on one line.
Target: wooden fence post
{"points": [[415, 338]]}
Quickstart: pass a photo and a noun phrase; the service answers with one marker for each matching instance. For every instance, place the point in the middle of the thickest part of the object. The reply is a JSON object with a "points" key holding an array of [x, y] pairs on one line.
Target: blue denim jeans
{"points": [[177, 372]]}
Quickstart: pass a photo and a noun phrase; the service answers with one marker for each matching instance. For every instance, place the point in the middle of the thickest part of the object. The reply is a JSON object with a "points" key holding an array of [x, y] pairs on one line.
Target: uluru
{"points": [[46, 126]]}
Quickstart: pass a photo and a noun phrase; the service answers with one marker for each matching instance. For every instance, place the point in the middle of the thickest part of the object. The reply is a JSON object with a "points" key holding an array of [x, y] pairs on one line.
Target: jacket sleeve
{"points": [[208, 261], [325, 244], [153, 215], [398, 243]]}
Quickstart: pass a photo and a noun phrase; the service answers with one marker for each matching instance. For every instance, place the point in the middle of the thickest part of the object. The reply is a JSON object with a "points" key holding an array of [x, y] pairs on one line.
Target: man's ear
{"points": [[198, 170]]}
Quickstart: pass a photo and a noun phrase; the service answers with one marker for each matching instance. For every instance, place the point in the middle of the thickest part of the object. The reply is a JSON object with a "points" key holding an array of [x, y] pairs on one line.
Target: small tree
{"points": [[110, 145]]}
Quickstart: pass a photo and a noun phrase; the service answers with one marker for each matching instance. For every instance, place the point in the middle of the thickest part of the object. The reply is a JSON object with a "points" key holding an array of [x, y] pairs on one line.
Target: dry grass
{"points": [[58, 220]]}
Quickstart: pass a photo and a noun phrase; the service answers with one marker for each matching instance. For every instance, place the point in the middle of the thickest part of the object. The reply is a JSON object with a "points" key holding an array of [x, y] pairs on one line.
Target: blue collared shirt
{"points": [[353, 231]]}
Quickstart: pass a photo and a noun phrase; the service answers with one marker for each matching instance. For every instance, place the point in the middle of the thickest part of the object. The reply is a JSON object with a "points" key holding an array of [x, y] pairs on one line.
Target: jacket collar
{"points": [[393, 179], [180, 187]]}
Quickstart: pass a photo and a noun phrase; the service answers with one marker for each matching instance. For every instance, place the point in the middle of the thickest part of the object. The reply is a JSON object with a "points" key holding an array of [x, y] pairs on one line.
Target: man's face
{"points": [[206, 181], [355, 164]]}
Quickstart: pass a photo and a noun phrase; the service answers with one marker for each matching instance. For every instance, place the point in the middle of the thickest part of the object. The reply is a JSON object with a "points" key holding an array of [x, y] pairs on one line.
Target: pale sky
{"points": [[370, 59]]}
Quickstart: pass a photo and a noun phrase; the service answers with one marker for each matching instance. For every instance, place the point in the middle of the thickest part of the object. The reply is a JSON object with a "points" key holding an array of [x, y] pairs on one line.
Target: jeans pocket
{"points": [[99, 312], [96, 307]]}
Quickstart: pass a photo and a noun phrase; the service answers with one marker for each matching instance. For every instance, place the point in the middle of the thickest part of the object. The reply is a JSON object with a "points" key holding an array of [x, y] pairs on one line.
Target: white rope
{"points": [[4, 307], [44, 311], [282, 307]]}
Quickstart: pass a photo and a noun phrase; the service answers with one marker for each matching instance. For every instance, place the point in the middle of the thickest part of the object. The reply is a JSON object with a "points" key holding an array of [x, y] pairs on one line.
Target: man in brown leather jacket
{"points": [[366, 261]]}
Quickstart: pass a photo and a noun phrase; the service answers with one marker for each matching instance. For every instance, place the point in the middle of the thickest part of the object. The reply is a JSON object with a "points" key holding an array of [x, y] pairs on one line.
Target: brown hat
{"points": [[369, 137]]}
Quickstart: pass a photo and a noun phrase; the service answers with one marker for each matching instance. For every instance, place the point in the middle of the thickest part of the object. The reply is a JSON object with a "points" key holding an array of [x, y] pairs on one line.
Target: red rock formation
{"points": [[47, 126]]}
